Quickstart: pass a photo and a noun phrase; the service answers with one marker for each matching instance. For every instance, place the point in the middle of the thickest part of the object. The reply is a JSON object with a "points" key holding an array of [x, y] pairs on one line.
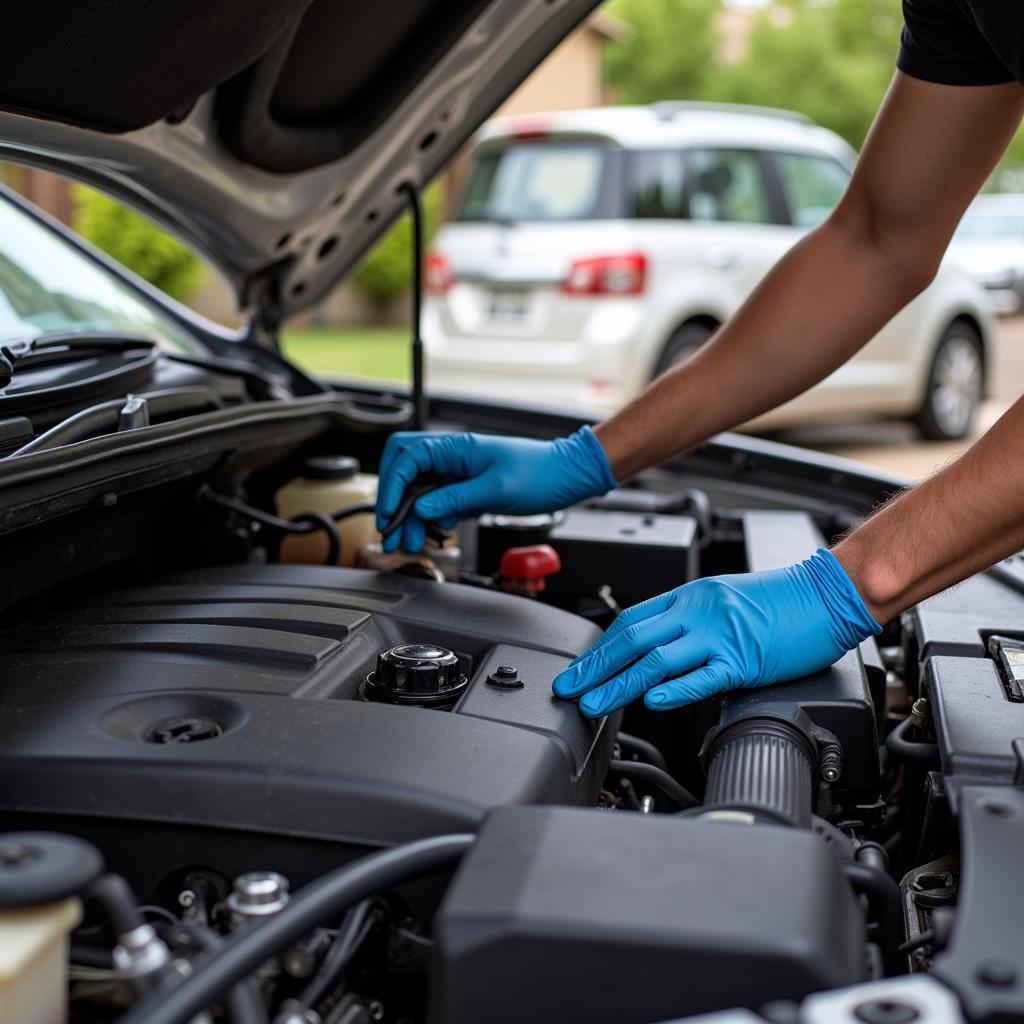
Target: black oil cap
{"points": [[330, 467], [416, 674], [38, 868]]}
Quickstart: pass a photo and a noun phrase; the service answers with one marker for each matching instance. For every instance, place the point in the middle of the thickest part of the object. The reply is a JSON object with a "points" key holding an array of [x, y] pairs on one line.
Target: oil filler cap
{"points": [[420, 674]]}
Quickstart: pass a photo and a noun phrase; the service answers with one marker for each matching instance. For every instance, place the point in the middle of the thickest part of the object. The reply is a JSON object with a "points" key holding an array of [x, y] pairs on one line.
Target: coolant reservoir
{"points": [[34, 962], [329, 483]]}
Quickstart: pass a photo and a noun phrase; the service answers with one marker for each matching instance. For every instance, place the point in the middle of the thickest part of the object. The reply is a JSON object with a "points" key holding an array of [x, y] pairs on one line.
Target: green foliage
{"points": [[669, 52], [387, 271], [829, 60], [137, 243]]}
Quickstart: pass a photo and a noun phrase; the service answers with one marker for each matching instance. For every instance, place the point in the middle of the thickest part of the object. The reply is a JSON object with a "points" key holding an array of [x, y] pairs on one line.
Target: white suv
{"points": [[593, 249]]}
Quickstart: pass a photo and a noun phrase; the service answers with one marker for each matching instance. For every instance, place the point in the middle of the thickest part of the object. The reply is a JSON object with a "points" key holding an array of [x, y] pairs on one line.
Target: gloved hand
{"points": [[483, 473], [722, 633]]}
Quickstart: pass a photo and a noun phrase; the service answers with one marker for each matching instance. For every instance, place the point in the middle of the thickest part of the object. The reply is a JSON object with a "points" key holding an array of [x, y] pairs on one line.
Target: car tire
{"points": [[955, 385], [683, 343]]}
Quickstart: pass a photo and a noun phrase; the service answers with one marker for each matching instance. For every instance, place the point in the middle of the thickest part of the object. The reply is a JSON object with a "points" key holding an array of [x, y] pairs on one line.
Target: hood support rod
{"points": [[419, 402]]}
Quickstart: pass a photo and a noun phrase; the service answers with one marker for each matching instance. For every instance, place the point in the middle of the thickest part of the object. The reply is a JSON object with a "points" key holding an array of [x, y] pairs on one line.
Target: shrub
{"points": [[136, 242]]}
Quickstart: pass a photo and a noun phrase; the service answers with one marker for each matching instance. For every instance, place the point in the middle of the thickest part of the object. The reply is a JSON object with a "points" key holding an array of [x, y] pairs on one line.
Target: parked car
{"points": [[238, 787], [592, 250], [989, 245]]}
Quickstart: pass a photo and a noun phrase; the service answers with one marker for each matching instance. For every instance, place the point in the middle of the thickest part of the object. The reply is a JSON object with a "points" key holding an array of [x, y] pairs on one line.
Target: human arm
{"points": [[929, 151], [753, 629]]}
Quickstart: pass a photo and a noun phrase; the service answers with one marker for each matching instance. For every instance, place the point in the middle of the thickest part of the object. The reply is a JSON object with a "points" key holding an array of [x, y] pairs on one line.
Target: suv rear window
{"points": [[547, 181]]}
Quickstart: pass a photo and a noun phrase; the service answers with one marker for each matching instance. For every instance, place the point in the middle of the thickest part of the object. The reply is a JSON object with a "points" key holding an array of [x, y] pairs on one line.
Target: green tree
{"points": [[669, 52], [828, 59], [136, 242], [387, 271]]}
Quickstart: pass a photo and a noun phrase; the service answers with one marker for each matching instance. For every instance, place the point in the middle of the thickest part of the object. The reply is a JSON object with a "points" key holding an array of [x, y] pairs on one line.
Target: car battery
{"points": [[636, 554]]}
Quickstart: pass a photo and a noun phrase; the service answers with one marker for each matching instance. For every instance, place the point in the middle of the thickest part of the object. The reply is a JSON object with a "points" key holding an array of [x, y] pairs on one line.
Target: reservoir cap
{"points": [[330, 467]]}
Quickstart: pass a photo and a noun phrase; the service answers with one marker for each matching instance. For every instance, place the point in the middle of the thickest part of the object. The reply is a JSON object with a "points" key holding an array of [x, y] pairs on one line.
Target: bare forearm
{"points": [[929, 151], [954, 524], [817, 307]]}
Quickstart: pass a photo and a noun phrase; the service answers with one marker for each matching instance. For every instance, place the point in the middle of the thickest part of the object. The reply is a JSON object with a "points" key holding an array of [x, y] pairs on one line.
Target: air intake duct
{"points": [[763, 766]]}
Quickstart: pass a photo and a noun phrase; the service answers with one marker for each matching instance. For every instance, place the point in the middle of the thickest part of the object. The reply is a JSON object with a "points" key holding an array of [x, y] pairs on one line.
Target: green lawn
{"points": [[376, 352]]}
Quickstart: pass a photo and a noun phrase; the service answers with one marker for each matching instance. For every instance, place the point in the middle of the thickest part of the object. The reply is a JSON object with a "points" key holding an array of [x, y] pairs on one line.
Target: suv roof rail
{"points": [[666, 110]]}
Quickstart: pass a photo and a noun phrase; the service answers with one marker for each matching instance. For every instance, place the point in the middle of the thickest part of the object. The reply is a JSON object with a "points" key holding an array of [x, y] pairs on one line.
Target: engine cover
{"points": [[161, 720]]}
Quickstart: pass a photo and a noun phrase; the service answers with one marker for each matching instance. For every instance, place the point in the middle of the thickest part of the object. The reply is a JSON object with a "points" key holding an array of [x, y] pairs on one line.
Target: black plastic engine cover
{"points": [[229, 700], [563, 914]]}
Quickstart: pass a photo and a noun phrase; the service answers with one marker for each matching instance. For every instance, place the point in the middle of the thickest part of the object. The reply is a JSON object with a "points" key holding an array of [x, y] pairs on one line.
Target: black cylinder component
{"points": [[419, 674], [764, 766], [37, 868]]}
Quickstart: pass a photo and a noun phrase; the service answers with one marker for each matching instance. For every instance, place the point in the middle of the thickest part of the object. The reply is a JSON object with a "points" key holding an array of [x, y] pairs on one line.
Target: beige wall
{"points": [[570, 78]]}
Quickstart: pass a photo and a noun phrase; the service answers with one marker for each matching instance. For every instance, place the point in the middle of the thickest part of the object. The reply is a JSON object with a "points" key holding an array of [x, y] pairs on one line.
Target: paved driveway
{"points": [[896, 446]]}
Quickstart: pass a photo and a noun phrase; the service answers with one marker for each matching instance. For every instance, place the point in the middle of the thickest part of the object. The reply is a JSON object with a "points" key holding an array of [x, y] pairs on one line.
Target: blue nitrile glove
{"points": [[483, 473], [722, 633]]}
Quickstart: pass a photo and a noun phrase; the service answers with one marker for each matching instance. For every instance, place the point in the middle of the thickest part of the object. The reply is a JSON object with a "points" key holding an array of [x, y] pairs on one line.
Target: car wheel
{"points": [[681, 346], [955, 380]]}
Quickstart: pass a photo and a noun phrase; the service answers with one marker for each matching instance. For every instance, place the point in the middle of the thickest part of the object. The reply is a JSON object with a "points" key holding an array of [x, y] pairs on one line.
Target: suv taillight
{"points": [[438, 275], [607, 275]]}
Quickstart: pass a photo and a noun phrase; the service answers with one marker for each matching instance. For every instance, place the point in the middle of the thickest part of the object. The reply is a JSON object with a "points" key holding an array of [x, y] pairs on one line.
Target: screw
{"points": [[997, 974], [831, 762], [919, 712], [15, 855], [507, 670]]}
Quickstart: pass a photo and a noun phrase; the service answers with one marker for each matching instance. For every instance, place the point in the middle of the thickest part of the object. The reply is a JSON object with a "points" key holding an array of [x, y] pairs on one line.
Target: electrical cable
{"points": [[412, 494], [180, 999], [351, 935], [365, 508], [308, 522], [657, 777]]}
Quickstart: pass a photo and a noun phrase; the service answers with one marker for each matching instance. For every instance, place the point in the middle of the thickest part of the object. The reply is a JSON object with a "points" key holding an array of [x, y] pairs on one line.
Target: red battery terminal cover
{"points": [[524, 570]]}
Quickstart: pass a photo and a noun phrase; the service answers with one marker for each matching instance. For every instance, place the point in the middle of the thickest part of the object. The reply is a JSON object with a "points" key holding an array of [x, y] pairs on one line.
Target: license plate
{"points": [[508, 303]]}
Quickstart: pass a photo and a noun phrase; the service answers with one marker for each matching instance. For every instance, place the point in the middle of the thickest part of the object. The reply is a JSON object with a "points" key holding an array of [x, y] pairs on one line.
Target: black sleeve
{"points": [[942, 43]]}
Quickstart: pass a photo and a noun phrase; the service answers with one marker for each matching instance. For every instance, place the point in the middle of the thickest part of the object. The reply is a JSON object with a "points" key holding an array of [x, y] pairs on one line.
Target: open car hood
{"points": [[274, 136]]}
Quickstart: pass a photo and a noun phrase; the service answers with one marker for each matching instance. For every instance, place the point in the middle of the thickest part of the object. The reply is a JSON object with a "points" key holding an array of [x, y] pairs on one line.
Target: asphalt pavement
{"points": [[896, 446]]}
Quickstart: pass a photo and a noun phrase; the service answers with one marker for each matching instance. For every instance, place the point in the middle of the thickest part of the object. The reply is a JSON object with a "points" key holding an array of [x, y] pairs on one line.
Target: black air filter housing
{"points": [[568, 914]]}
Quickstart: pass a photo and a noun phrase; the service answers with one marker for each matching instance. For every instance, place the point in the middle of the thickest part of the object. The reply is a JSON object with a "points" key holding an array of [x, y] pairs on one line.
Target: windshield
{"points": [[47, 287], [548, 181], [992, 225]]}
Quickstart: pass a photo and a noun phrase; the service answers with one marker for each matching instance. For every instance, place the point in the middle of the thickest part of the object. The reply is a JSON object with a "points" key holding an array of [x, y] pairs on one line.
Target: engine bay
{"points": [[333, 793]]}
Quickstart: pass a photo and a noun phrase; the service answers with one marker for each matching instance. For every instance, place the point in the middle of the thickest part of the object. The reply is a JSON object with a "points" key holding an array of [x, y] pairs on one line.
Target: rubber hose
{"points": [[883, 894], [644, 749], [323, 900], [656, 777], [904, 749], [119, 902]]}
